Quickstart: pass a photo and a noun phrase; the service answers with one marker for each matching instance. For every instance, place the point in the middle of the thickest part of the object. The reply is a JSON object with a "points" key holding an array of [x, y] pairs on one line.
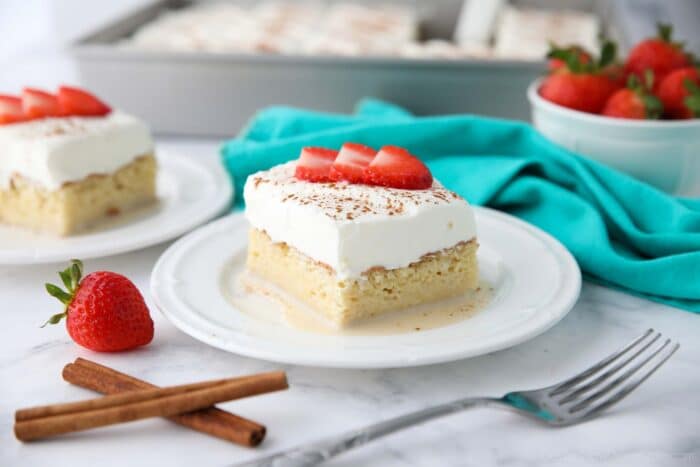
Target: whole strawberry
{"points": [[585, 86], [616, 72], [636, 101], [659, 54], [680, 93], [104, 311], [558, 57]]}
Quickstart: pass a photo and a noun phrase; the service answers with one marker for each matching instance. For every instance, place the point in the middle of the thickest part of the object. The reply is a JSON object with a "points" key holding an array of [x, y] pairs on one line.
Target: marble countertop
{"points": [[657, 425]]}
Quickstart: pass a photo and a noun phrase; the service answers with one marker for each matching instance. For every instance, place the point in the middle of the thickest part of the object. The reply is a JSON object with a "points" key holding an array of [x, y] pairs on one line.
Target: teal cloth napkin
{"points": [[622, 232]]}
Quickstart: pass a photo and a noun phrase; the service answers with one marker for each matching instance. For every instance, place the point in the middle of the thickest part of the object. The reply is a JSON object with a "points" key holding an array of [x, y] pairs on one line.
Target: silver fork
{"points": [[572, 401]]}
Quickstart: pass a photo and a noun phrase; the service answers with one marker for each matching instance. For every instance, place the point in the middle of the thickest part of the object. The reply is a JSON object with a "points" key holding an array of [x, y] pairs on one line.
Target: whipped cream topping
{"points": [[53, 151], [355, 228]]}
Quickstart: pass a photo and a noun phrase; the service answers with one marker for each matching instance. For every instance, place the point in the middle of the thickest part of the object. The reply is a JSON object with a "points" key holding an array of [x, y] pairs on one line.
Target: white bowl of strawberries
{"points": [[641, 117]]}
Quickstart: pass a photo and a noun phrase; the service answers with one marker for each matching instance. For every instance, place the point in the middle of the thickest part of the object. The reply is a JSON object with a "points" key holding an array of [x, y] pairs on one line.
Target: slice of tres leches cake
{"points": [[68, 161], [390, 239]]}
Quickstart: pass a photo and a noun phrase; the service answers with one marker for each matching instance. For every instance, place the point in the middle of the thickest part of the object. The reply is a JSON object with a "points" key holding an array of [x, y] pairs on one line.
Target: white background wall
{"points": [[33, 35]]}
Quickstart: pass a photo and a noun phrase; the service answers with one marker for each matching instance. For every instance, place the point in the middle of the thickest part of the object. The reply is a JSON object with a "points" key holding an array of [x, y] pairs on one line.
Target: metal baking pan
{"points": [[214, 94]]}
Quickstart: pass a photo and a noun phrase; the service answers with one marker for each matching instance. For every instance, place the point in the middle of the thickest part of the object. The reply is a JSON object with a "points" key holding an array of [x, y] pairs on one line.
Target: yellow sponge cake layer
{"points": [[80, 204], [439, 275]]}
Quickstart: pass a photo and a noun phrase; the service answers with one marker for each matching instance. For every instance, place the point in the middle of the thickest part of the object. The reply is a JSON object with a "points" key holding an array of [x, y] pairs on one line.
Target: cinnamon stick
{"points": [[152, 404], [115, 400], [211, 421]]}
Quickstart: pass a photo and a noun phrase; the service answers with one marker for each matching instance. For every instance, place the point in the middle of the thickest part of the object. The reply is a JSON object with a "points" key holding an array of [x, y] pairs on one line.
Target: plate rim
{"points": [[553, 312], [224, 196]]}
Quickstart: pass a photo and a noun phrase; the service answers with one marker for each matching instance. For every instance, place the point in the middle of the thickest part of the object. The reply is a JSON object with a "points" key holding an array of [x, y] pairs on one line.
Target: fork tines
{"points": [[602, 385]]}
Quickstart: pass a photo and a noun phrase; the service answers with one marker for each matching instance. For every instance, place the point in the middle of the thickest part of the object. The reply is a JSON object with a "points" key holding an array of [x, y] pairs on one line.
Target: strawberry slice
{"points": [[75, 101], [351, 163], [39, 104], [314, 164], [10, 109], [395, 167]]}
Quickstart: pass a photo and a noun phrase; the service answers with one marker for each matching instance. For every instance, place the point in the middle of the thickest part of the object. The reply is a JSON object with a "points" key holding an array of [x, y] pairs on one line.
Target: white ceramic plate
{"points": [[190, 192], [536, 282]]}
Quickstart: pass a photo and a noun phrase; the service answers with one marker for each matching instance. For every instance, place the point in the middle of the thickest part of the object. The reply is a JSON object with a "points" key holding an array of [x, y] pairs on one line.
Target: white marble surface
{"points": [[656, 426]]}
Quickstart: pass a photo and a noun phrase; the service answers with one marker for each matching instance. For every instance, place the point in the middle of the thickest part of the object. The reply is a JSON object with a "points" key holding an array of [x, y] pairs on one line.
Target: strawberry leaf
{"points": [[570, 57], [649, 79], [691, 86], [79, 265], [653, 106], [633, 82], [76, 272], [608, 54], [579, 61], [576, 59], [664, 31], [66, 279], [55, 319], [55, 291], [561, 54], [692, 100], [71, 279]]}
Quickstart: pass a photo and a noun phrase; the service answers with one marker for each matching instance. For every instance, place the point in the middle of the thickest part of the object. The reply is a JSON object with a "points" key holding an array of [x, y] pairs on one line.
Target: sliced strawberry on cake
{"points": [[351, 163], [75, 101], [10, 109], [397, 168], [315, 164], [39, 104]]}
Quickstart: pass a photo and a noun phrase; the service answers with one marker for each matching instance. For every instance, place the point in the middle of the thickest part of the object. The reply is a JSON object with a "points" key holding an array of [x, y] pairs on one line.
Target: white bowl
{"points": [[665, 154]]}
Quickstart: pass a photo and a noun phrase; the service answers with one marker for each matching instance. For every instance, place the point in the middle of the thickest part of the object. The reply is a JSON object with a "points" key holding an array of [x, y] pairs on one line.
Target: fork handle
{"points": [[315, 453]]}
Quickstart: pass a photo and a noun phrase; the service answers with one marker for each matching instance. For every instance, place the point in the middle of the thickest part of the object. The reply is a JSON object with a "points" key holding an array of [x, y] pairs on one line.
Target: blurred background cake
{"points": [[68, 161]]}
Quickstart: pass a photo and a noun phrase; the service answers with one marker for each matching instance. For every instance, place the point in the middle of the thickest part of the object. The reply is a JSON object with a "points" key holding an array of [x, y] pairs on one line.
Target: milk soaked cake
{"points": [[68, 161], [356, 234]]}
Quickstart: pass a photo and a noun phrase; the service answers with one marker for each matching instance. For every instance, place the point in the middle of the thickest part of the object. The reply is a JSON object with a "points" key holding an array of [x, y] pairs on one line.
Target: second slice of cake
{"points": [[68, 162], [354, 250]]}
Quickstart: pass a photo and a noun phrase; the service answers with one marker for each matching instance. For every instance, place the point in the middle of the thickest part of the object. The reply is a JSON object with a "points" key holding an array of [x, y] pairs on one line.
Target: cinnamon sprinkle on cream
{"points": [[347, 202]]}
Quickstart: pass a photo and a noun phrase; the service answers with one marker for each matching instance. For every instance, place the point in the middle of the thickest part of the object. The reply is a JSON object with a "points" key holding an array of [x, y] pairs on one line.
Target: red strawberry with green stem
{"points": [[558, 57], [636, 101], [659, 54], [585, 86], [104, 311], [680, 93]]}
